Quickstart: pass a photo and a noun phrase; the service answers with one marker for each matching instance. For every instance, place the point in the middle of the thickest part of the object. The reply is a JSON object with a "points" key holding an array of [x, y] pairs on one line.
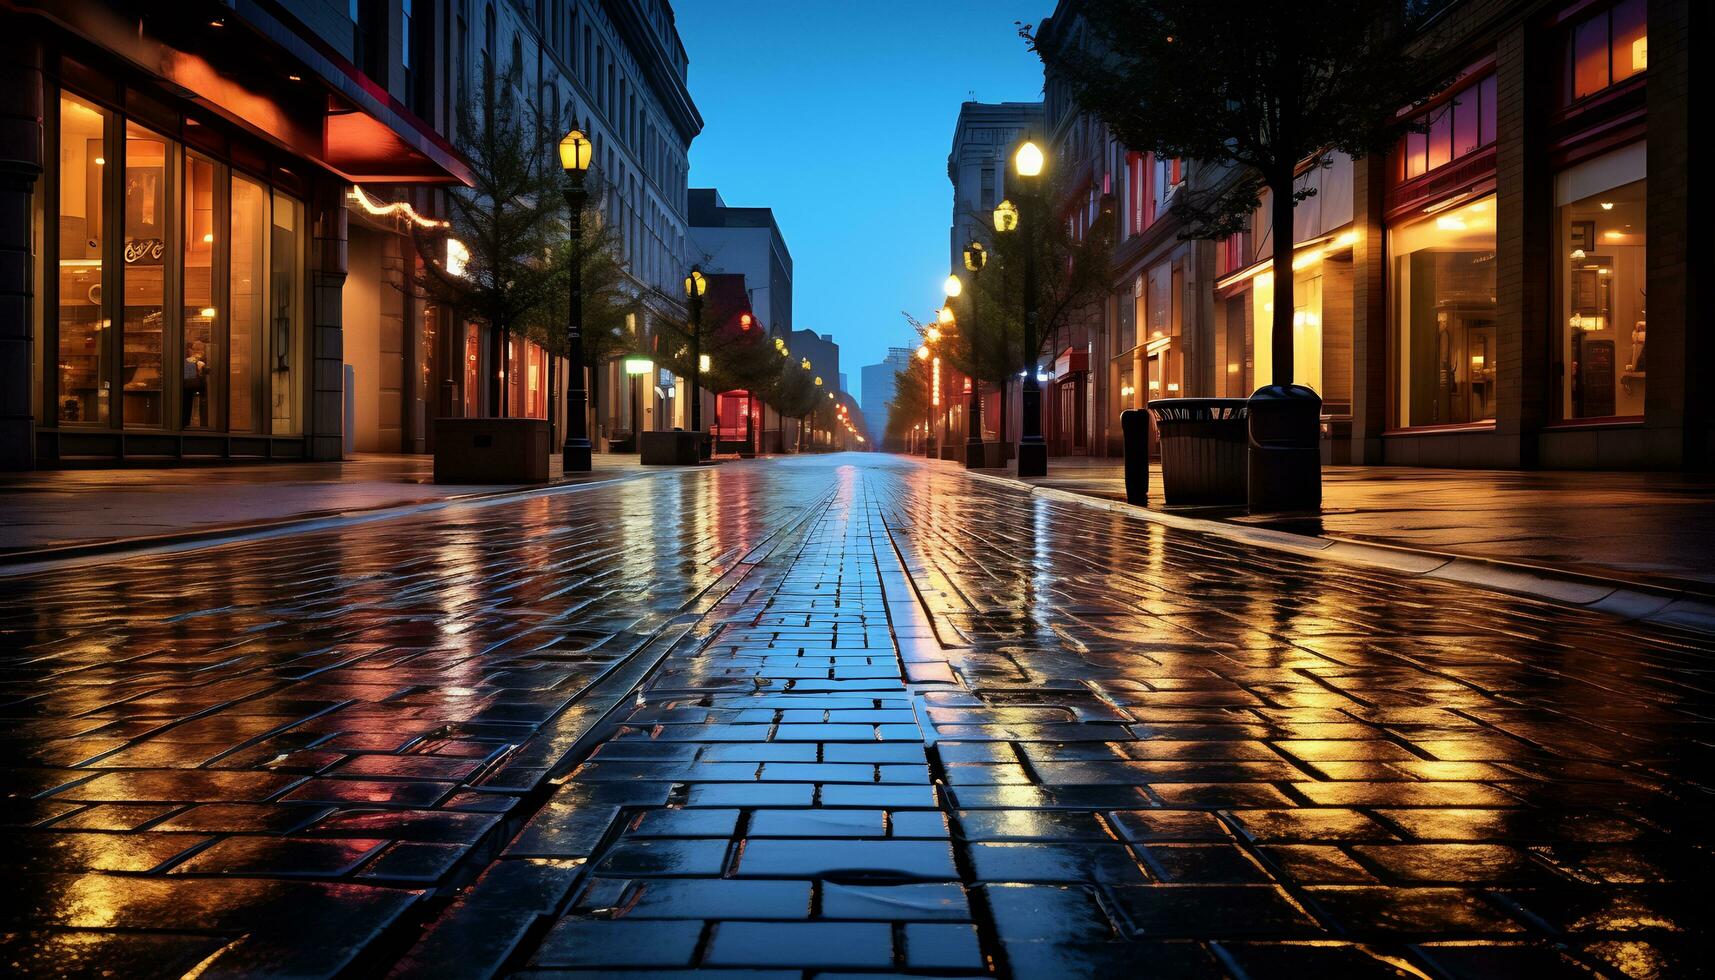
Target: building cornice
{"points": [[653, 59]]}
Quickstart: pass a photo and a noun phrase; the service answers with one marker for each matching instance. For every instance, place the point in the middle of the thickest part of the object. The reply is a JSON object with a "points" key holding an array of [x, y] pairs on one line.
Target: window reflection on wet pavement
{"points": [[841, 713]]}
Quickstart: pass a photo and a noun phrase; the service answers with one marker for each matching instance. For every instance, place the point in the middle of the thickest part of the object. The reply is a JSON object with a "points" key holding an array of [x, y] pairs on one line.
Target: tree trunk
{"points": [[1280, 195]]}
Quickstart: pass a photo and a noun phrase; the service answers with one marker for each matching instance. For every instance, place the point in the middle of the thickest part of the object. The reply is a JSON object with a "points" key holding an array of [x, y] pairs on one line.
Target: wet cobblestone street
{"points": [[844, 714]]}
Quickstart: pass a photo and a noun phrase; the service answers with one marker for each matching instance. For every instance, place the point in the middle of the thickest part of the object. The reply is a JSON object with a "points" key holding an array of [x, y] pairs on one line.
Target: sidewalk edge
{"points": [[33, 560], [1617, 597]]}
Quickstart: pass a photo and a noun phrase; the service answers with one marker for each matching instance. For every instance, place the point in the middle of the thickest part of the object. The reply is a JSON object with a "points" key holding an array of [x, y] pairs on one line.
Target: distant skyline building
{"points": [[879, 381], [982, 138]]}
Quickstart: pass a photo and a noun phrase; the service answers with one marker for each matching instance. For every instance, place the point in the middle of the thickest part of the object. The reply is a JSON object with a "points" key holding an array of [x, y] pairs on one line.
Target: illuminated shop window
{"points": [[83, 375], [1444, 314], [1601, 352]]}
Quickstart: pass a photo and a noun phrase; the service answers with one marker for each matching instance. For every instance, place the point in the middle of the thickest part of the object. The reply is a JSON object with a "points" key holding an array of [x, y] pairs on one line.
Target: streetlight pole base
{"points": [[575, 456], [1032, 457], [976, 456]]}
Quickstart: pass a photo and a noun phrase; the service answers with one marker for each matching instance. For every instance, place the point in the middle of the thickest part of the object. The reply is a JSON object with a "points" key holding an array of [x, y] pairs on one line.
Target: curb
{"points": [[1625, 599], [31, 561]]}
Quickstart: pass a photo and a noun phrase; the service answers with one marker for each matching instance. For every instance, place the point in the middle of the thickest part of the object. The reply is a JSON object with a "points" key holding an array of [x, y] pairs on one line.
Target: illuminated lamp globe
{"points": [[575, 153], [1028, 160], [952, 287], [923, 353], [976, 257]]}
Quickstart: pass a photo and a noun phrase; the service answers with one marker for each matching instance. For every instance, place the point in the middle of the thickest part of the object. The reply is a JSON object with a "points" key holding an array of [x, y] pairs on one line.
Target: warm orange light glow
{"points": [[397, 208]]}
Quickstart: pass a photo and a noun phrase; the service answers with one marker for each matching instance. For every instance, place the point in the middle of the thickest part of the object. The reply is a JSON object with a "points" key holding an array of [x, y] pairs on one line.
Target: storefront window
{"points": [[248, 310], [285, 341], [201, 350], [83, 356], [472, 371], [145, 267], [1444, 315], [1601, 351]]}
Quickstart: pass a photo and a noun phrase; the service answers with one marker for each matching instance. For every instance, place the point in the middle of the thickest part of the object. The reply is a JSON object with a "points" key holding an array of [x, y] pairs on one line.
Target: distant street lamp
{"points": [[1032, 450], [696, 284], [975, 258], [575, 161]]}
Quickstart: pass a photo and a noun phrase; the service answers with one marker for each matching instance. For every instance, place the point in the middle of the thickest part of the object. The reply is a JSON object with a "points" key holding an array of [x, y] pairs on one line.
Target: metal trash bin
{"points": [[1285, 436], [1134, 429], [1203, 449]]}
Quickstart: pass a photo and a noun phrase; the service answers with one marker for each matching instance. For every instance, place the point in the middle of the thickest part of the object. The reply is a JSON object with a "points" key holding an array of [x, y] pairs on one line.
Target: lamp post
{"points": [[923, 354], [975, 258], [575, 161], [1032, 450], [696, 284]]}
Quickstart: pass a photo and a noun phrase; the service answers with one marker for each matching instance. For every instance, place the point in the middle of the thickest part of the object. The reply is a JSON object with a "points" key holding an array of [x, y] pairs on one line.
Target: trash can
{"points": [[1134, 428], [1202, 449], [1285, 469]]}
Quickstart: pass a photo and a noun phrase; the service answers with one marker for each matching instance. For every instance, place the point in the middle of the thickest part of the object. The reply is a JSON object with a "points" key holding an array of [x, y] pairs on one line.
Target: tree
{"points": [[910, 404], [612, 306], [1072, 275], [1263, 86], [509, 220]]}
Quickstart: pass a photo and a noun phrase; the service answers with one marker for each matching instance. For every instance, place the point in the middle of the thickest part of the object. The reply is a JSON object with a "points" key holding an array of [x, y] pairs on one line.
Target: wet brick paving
{"points": [[846, 715]]}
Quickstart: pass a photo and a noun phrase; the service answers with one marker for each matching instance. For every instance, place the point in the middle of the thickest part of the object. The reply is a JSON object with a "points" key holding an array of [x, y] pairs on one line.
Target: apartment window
{"points": [[1136, 189], [1461, 126], [1606, 47], [986, 199]]}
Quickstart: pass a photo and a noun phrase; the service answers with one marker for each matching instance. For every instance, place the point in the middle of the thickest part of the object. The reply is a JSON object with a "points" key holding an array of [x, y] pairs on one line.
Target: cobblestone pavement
{"points": [[847, 715]]}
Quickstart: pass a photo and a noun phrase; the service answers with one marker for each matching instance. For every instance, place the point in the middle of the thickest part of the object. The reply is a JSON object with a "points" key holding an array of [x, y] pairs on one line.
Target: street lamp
{"points": [[952, 287], [575, 161], [1005, 216], [976, 257], [1032, 450], [696, 284]]}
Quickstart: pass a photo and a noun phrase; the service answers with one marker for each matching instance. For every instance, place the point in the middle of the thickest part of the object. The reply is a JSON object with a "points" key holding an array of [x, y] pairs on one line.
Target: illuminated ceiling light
{"points": [[397, 208], [638, 365], [207, 313], [1607, 205], [101, 161], [208, 238]]}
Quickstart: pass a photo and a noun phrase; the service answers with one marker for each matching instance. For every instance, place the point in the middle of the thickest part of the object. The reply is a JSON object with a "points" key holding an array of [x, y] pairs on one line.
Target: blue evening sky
{"points": [[838, 114]]}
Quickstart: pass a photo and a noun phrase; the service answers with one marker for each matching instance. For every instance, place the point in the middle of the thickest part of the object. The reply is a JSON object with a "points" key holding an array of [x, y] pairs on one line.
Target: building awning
{"points": [[258, 68]]}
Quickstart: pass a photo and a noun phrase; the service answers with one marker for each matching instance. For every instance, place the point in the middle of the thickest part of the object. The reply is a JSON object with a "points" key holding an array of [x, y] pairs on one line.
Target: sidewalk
{"points": [[1655, 529], [58, 509]]}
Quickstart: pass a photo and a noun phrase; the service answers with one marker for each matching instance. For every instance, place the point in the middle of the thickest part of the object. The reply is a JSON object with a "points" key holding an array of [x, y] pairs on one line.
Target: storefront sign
{"points": [[145, 251]]}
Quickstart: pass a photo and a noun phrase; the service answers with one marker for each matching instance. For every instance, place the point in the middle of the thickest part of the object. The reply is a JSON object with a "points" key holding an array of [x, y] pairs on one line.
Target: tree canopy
{"points": [[1261, 86]]}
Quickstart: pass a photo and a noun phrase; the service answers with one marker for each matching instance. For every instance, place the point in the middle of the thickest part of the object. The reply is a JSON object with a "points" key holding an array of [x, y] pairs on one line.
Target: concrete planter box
{"points": [[673, 448], [491, 451]]}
